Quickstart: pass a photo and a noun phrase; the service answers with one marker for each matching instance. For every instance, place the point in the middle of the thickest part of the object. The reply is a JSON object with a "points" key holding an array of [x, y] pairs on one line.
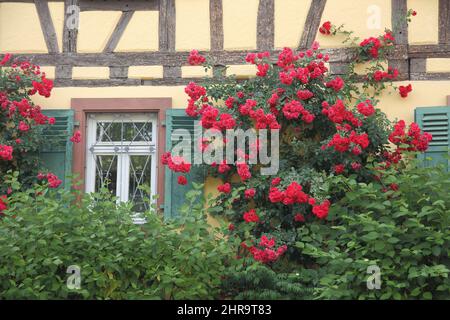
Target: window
{"points": [[121, 142], [121, 155]]}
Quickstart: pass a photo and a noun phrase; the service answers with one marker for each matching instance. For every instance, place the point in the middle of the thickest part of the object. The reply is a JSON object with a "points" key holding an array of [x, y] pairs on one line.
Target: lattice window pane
{"points": [[106, 173], [140, 175]]}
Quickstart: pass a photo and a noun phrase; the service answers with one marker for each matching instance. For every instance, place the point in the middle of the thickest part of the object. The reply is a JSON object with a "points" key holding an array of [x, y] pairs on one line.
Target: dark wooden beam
{"points": [[118, 5], [444, 21], [71, 24], [118, 72], [178, 59], [418, 65], [167, 23], [399, 9], [312, 23], [122, 82], [429, 51], [47, 26], [216, 24], [172, 72], [63, 72], [441, 76], [265, 25], [118, 31]]}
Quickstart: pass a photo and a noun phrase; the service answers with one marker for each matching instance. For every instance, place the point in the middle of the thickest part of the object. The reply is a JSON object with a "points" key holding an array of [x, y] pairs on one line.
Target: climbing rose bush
{"points": [[22, 122], [328, 126]]}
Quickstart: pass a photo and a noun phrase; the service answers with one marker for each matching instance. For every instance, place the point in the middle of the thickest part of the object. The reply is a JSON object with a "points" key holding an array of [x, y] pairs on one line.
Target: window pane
{"points": [[117, 131], [137, 131], [106, 173], [140, 173], [109, 131]]}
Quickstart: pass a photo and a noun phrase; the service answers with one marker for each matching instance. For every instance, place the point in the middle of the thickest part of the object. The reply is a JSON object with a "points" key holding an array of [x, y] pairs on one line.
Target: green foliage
{"points": [[45, 231], [404, 233]]}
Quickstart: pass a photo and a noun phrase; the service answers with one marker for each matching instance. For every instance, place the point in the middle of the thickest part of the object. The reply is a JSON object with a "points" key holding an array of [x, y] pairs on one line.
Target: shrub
{"points": [[45, 231], [400, 225]]}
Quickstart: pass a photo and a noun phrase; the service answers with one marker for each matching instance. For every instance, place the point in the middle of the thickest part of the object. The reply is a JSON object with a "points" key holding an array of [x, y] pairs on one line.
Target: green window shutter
{"points": [[436, 121], [56, 154], [175, 194]]}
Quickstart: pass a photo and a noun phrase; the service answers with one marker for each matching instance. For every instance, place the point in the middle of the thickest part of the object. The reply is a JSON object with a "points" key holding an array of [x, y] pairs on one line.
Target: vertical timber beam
{"points": [[312, 23], [265, 25], [399, 9], [444, 21], [47, 26], [71, 23], [118, 31], [167, 23], [216, 24]]}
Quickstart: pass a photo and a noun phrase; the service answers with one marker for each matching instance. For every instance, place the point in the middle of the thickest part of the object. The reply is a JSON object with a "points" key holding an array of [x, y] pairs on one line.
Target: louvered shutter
{"points": [[56, 154], [175, 194], [436, 121]]}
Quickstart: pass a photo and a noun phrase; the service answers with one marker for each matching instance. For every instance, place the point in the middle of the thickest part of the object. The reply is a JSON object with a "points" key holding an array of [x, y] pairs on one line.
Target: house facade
{"points": [[120, 67]]}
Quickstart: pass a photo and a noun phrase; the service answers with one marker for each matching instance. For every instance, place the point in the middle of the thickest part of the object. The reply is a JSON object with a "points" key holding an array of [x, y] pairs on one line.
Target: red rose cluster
{"points": [[325, 29], [3, 205], [251, 216], [372, 45], [195, 58], [176, 164], [294, 195], [76, 137], [265, 252], [405, 90], [381, 75], [6, 152], [52, 179]]}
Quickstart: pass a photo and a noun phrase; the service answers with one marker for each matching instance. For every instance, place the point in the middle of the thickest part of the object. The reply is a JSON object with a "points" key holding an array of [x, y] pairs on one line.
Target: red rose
{"points": [[394, 186], [251, 216], [339, 168], [299, 218], [195, 58], [249, 193], [325, 28], [321, 211], [76, 137], [404, 90], [182, 180], [224, 188]]}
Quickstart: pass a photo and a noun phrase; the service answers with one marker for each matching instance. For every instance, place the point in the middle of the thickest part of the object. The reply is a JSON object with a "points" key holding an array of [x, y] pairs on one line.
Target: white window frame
{"points": [[122, 149]]}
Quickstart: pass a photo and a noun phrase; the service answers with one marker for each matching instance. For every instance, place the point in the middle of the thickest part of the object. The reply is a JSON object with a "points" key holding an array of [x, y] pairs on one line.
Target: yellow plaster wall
{"points": [[90, 73], [57, 14], [95, 29], [362, 68], [438, 65], [49, 71], [290, 16], [60, 98], [242, 71], [145, 72], [20, 30], [141, 33], [423, 28], [192, 25], [355, 16], [424, 94], [239, 24], [195, 72]]}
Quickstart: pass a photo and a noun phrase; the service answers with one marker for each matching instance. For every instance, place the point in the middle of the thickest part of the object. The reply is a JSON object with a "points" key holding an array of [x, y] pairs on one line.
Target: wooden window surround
{"points": [[83, 106]]}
